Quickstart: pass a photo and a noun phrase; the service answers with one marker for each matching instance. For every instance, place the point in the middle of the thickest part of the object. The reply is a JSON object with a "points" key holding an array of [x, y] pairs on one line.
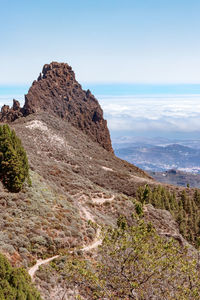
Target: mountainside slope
{"points": [[78, 185], [74, 180], [67, 169]]}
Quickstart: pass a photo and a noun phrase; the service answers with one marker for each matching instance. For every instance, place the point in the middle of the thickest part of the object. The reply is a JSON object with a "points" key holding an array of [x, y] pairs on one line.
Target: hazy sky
{"points": [[171, 116], [149, 41]]}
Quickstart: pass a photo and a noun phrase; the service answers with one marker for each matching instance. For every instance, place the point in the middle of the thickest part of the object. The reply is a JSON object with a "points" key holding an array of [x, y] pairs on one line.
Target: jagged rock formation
{"points": [[56, 91], [8, 114]]}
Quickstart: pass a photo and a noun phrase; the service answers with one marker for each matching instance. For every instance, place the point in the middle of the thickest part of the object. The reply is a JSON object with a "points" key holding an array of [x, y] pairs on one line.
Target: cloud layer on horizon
{"points": [[147, 114], [151, 114]]}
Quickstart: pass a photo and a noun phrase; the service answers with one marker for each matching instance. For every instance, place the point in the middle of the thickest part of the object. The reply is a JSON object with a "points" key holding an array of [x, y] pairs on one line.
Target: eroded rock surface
{"points": [[8, 114], [56, 91]]}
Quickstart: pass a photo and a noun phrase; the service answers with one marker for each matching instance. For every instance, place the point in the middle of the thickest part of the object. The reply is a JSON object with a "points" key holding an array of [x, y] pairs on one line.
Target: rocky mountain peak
{"points": [[8, 114], [57, 92]]}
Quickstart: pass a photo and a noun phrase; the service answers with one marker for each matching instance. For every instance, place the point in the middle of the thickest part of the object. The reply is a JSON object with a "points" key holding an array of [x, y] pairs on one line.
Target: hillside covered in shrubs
{"points": [[82, 196], [133, 262]]}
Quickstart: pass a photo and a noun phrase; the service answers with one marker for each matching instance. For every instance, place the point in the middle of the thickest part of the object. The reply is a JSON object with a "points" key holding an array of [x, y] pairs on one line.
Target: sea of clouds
{"points": [[146, 114], [151, 114]]}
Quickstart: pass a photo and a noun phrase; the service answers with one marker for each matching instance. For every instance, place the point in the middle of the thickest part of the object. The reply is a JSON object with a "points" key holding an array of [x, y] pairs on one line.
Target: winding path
{"points": [[103, 200], [40, 262], [97, 241]]}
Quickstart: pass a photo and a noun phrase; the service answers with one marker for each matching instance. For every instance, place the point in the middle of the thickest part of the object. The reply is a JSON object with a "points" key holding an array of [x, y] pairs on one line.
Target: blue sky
{"points": [[107, 41], [141, 58]]}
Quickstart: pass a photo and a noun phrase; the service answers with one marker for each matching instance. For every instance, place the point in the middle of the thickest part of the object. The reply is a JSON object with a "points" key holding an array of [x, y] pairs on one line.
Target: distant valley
{"points": [[170, 161]]}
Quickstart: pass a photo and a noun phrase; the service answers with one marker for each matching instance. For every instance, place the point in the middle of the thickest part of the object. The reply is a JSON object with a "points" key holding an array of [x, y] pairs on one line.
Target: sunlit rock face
{"points": [[56, 91]]}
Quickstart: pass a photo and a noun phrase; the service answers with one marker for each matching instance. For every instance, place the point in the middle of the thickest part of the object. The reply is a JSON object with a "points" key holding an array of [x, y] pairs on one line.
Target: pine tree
{"points": [[196, 197], [147, 194], [15, 283], [14, 167]]}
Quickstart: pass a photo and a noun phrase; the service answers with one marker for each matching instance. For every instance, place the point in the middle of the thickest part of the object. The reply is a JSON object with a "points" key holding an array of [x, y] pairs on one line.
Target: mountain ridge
{"points": [[56, 91]]}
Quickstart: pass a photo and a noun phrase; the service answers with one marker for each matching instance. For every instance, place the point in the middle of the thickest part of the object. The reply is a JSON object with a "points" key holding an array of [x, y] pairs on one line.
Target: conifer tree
{"points": [[197, 197], [14, 167], [15, 283], [147, 194]]}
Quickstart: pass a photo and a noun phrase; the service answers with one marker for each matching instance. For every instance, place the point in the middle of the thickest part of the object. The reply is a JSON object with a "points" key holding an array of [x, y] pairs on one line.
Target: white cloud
{"points": [[172, 113], [144, 113]]}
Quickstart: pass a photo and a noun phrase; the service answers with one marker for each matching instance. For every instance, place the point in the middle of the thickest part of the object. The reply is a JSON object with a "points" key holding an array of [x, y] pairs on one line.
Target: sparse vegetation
{"points": [[14, 167], [26, 231], [45, 219]]}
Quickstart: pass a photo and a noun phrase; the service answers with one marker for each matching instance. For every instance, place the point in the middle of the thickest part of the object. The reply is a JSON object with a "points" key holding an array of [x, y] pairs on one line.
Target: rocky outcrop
{"points": [[56, 91], [8, 114]]}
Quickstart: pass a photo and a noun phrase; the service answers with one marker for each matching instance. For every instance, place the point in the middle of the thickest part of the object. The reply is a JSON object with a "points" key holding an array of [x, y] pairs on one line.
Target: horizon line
{"points": [[25, 84], [117, 89]]}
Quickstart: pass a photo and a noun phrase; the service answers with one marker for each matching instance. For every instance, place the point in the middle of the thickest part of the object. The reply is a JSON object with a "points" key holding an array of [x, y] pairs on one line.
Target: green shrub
{"points": [[14, 167], [134, 262], [139, 208], [15, 283]]}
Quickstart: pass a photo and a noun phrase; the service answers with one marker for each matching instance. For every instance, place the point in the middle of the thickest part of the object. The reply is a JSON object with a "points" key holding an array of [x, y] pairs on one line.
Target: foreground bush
{"points": [[134, 262], [14, 167], [15, 283]]}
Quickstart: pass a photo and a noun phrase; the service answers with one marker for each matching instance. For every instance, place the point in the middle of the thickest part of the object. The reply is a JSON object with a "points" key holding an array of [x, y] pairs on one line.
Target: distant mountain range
{"points": [[168, 162], [140, 141], [159, 158]]}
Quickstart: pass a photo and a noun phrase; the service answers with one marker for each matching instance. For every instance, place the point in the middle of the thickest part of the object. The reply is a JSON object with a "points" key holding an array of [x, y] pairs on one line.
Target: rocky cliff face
{"points": [[57, 92], [8, 114]]}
